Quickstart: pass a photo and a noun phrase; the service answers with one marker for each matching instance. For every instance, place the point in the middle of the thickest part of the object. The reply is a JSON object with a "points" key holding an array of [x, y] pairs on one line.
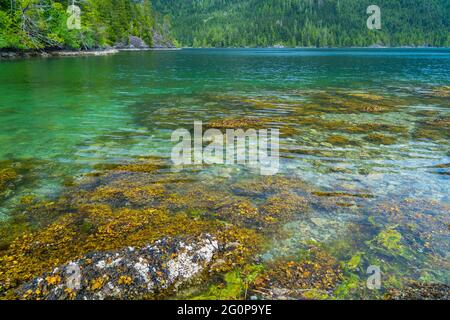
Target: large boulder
{"points": [[127, 273]]}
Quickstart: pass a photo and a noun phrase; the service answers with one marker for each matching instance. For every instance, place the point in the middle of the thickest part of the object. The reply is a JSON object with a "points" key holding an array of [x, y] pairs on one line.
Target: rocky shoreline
{"points": [[13, 55], [25, 54], [131, 44]]}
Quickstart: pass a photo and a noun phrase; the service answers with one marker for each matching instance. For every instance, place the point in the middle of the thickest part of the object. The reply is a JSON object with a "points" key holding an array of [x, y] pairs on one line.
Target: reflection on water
{"points": [[364, 142]]}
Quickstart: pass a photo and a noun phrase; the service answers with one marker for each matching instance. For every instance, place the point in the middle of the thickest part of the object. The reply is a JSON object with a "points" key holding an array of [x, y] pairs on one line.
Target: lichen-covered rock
{"points": [[127, 273]]}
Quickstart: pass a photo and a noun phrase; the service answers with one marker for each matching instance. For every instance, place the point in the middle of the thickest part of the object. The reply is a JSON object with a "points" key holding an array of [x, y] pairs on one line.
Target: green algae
{"points": [[390, 239], [234, 285], [354, 261]]}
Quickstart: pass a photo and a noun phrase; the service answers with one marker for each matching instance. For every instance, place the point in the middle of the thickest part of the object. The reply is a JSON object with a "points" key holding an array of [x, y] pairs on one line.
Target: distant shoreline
{"points": [[344, 48], [15, 54]]}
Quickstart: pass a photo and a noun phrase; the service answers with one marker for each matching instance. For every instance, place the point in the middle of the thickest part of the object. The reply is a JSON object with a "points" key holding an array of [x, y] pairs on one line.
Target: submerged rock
{"points": [[127, 273], [314, 276], [421, 291]]}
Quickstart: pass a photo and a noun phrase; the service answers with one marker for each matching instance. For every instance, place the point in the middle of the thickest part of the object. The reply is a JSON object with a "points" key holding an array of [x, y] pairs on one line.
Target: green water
{"points": [[66, 116]]}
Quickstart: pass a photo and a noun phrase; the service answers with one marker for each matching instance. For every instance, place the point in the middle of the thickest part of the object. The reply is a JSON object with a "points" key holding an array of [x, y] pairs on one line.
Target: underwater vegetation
{"points": [[7, 177], [313, 274], [236, 123], [441, 92], [380, 139], [308, 233], [421, 291]]}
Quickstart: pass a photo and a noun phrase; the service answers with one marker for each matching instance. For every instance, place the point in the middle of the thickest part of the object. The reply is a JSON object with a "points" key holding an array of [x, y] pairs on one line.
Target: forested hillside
{"points": [[37, 24], [223, 23]]}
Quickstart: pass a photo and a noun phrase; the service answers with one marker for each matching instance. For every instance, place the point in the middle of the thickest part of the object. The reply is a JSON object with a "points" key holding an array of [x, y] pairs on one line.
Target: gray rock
{"points": [[127, 273], [136, 42]]}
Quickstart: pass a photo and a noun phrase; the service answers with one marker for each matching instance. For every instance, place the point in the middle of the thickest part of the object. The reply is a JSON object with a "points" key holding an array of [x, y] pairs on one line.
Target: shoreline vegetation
{"points": [[14, 54], [26, 54], [43, 28]]}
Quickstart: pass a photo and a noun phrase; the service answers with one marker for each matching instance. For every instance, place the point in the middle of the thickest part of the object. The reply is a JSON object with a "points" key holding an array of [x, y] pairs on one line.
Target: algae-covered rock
{"points": [[315, 274], [420, 291], [441, 92], [127, 273], [281, 206], [338, 140], [7, 178], [261, 187], [237, 123], [380, 139]]}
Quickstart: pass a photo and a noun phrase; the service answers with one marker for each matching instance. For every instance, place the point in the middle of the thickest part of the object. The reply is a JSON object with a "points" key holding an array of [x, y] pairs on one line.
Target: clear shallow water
{"points": [[368, 122], [78, 112]]}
